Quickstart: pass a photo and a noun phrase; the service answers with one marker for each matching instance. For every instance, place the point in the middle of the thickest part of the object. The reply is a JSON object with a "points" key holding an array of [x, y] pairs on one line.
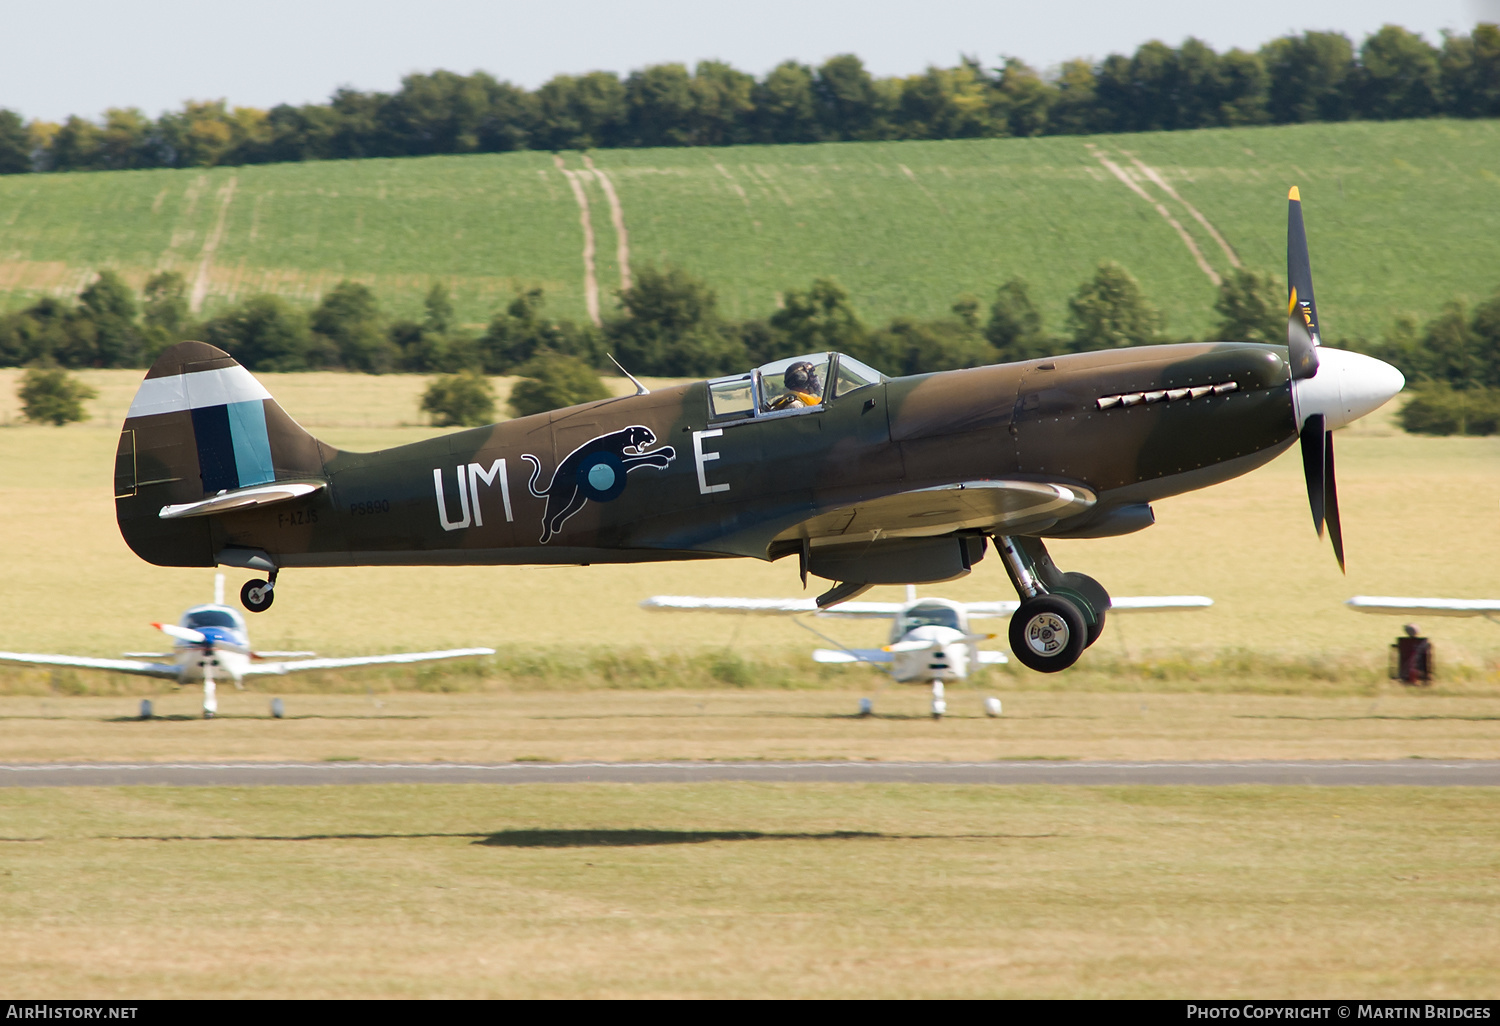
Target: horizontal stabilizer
{"points": [[243, 498], [1424, 606]]}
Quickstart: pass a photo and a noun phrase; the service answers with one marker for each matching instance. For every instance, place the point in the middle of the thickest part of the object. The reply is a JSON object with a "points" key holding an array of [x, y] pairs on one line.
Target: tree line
{"points": [[666, 324], [1314, 76]]}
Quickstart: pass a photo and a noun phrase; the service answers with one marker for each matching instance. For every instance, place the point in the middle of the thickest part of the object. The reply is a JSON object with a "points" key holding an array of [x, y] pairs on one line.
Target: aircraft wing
{"points": [[770, 607], [167, 670], [850, 655], [970, 505], [1120, 604], [1423, 606], [334, 664]]}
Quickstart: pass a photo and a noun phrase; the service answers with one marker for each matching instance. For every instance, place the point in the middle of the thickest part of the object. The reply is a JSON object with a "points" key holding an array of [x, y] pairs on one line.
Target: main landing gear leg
{"points": [[939, 707], [1061, 614], [257, 596]]}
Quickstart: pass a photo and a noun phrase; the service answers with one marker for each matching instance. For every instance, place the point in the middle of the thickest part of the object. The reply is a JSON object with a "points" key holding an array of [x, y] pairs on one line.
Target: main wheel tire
{"points": [[1094, 630], [257, 596], [1048, 633]]}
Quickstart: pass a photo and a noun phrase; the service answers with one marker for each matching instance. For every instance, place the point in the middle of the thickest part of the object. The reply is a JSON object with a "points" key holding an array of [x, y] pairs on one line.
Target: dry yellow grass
{"points": [[1422, 516], [742, 890], [616, 726]]}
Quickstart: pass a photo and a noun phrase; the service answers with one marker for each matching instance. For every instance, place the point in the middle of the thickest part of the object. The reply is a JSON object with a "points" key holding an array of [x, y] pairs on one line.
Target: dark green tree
{"points": [[1109, 312], [850, 103], [581, 113], [264, 333], [551, 381], [1310, 77], [1015, 325], [723, 105], [166, 312], [818, 319], [1075, 110], [911, 346], [1251, 308], [1484, 326], [348, 316], [786, 106], [465, 399], [1471, 72], [520, 331], [108, 306], [660, 102], [50, 395], [672, 327], [1399, 76], [1028, 100], [15, 144]]}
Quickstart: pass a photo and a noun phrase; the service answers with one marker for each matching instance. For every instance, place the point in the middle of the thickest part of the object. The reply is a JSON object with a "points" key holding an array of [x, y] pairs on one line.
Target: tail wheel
{"points": [[1048, 633], [257, 596]]}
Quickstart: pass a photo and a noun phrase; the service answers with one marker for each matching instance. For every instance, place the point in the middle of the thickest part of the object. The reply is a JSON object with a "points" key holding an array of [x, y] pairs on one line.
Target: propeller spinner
{"points": [[1330, 387]]}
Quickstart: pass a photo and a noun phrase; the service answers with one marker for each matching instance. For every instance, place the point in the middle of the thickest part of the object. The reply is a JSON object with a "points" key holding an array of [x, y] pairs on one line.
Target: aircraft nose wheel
{"points": [[1048, 634], [257, 595]]}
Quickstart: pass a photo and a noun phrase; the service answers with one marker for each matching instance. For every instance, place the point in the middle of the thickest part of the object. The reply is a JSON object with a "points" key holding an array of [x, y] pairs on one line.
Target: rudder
{"points": [[200, 424]]}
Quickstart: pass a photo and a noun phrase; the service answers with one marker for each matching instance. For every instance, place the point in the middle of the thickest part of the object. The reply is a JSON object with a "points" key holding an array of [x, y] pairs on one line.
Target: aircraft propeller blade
{"points": [[1302, 311], [1331, 502], [192, 637], [1302, 340]]}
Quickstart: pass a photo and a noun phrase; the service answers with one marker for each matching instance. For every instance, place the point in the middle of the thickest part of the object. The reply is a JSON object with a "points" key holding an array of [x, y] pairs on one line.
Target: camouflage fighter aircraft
{"points": [[863, 479]]}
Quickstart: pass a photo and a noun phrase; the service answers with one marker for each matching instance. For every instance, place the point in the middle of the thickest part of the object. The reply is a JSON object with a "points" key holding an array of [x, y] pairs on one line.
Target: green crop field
{"points": [[1403, 216]]}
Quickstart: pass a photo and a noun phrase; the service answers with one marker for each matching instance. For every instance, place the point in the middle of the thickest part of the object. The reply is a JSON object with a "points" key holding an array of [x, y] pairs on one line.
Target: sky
{"points": [[81, 56]]}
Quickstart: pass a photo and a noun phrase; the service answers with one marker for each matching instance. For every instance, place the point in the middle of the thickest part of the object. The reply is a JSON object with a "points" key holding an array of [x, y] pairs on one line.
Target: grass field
{"points": [[1402, 216], [735, 890], [1420, 517]]}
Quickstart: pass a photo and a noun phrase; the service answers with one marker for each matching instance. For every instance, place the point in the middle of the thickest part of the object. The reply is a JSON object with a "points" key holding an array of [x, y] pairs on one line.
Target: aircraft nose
{"points": [[1346, 387]]}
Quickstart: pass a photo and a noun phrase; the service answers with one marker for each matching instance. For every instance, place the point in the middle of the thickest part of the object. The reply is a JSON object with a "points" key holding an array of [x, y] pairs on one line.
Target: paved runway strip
{"points": [[1412, 773]]}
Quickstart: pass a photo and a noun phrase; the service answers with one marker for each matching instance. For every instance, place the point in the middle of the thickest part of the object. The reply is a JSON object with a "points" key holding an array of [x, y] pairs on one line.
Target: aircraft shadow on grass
{"points": [[634, 838]]}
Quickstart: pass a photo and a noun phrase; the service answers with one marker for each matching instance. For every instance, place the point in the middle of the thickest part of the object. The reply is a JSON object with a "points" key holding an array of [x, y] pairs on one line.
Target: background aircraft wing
{"points": [[971, 505], [168, 670], [1121, 603], [850, 655], [770, 607], [1424, 606], [334, 664]]}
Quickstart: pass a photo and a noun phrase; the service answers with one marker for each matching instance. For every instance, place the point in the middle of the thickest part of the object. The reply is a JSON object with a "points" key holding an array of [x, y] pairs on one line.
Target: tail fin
{"points": [[201, 426]]}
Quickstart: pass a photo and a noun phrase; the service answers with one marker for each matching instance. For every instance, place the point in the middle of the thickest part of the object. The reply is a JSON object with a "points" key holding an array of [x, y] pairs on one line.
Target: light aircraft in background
{"points": [[210, 641], [1393, 606], [930, 639]]}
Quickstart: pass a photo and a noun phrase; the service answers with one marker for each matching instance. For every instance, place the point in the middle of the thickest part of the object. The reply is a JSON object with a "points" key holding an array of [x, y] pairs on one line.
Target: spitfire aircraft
{"points": [[861, 478], [210, 641], [930, 640]]}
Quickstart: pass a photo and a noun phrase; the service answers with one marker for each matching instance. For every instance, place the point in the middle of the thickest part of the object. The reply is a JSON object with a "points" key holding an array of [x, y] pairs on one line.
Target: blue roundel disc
{"points": [[601, 476]]}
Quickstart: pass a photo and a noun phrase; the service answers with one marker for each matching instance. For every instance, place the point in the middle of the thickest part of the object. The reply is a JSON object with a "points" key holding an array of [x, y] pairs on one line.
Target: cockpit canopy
{"points": [[931, 614], [212, 616], [789, 385]]}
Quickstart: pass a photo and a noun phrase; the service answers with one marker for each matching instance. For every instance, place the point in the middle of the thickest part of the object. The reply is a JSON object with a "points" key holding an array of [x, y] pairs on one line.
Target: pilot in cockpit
{"points": [[802, 387]]}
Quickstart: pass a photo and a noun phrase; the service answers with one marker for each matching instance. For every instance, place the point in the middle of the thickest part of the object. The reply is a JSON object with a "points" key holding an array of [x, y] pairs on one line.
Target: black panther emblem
{"points": [[595, 470]]}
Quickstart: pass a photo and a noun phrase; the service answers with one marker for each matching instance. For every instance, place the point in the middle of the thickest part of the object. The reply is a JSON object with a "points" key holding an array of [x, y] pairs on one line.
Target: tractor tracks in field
{"points": [[211, 246], [577, 179], [1152, 176]]}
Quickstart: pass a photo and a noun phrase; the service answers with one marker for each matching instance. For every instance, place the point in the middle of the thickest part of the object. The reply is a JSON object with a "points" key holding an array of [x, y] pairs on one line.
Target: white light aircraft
{"points": [[210, 642], [930, 640]]}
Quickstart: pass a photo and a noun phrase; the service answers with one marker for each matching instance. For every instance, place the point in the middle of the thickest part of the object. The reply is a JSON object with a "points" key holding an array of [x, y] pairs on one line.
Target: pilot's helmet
{"points": [[802, 376]]}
